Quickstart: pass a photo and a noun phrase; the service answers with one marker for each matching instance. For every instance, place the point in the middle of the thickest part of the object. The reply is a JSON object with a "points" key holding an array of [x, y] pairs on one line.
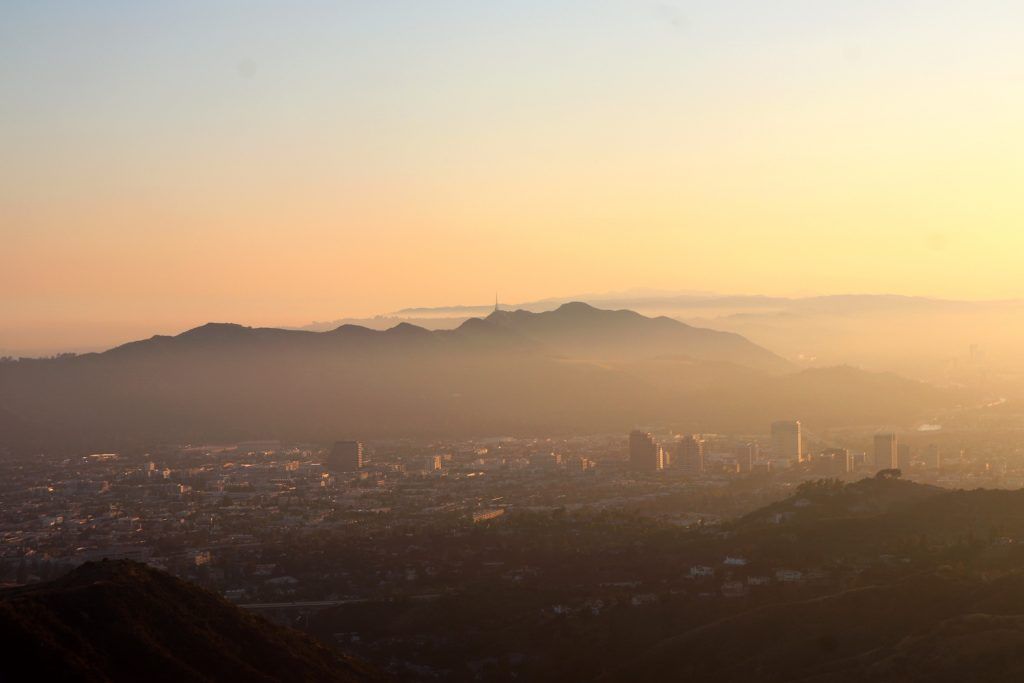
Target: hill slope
{"points": [[949, 607], [898, 582], [925, 628], [577, 369], [123, 621]]}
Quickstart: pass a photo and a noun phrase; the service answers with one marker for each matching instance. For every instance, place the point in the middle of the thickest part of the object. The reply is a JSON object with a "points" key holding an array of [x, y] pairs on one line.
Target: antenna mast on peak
{"points": [[496, 309]]}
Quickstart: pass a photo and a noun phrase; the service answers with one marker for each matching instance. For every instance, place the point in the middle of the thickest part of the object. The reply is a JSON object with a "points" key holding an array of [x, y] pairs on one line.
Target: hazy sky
{"points": [[164, 164]]}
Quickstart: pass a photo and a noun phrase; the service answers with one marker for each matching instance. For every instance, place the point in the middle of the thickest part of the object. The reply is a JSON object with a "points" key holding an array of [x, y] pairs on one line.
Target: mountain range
{"points": [[944, 341], [576, 368]]}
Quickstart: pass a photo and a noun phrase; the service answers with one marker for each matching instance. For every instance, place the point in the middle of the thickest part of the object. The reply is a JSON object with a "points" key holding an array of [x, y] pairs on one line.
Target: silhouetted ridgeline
{"points": [[124, 621], [574, 369]]}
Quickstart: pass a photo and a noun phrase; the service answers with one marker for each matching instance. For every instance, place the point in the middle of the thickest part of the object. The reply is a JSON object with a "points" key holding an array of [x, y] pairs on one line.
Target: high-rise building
{"points": [[933, 457], [346, 456], [689, 455], [644, 454], [786, 441], [836, 461], [859, 460], [886, 451], [746, 454], [903, 457], [664, 457]]}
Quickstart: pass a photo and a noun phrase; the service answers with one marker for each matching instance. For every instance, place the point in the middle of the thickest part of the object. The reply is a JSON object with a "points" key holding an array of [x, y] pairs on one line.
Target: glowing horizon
{"points": [[169, 165]]}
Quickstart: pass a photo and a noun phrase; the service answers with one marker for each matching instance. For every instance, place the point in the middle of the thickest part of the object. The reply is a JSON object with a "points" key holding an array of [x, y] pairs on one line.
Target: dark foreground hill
{"points": [[924, 628], [577, 369], [124, 621], [934, 592]]}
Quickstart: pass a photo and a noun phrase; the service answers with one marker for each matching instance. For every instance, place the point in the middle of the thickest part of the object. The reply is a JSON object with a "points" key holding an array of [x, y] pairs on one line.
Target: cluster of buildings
{"points": [[215, 514], [688, 454], [219, 514], [685, 455]]}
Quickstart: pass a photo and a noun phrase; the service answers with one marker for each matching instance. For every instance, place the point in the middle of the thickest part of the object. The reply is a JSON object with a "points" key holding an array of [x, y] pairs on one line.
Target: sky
{"points": [[274, 163]]}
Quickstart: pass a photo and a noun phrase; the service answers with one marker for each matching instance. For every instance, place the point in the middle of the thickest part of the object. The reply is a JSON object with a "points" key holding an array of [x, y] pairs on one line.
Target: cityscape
{"points": [[482, 342], [197, 509], [306, 535]]}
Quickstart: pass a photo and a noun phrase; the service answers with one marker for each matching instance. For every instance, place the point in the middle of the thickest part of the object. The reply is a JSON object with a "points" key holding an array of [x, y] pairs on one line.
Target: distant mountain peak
{"points": [[580, 310], [576, 307], [349, 328], [407, 329], [215, 330], [572, 309], [502, 314], [477, 323]]}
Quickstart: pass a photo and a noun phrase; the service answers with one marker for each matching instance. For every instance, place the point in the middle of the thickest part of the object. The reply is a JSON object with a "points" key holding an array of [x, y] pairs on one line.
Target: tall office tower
{"points": [[346, 456], [933, 457], [836, 461], [690, 454], [786, 444], [886, 451], [644, 454], [859, 460], [746, 454], [903, 456]]}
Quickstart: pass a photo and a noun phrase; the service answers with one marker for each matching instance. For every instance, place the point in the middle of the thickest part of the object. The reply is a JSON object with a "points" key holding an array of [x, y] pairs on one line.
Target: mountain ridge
{"points": [[576, 369], [574, 329]]}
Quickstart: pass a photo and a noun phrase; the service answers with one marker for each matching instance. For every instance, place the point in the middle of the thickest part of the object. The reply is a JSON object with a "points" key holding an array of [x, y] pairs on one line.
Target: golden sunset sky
{"points": [[271, 163]]}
